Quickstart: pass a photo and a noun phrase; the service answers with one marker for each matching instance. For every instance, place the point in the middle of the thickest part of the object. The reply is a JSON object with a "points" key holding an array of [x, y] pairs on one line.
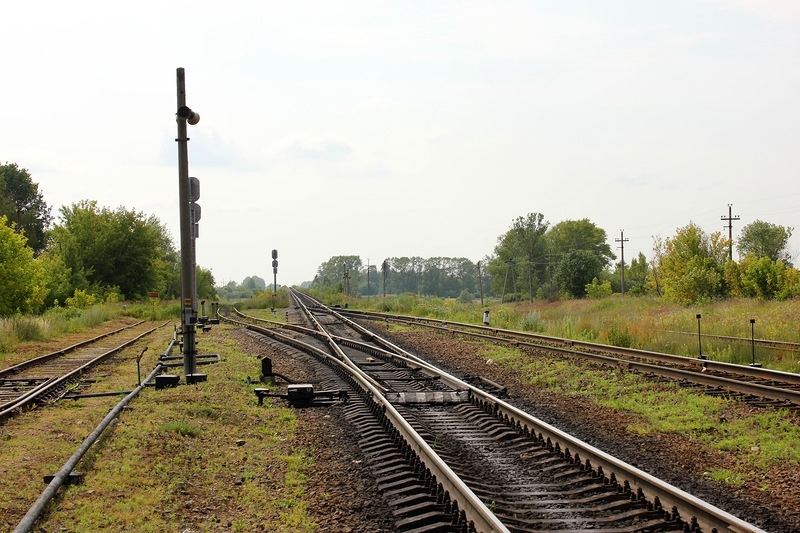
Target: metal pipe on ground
{"points": [[62, 475]]}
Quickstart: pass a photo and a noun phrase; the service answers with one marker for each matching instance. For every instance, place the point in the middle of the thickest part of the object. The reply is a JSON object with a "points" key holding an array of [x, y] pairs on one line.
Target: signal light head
{"points": [[185, 113]]}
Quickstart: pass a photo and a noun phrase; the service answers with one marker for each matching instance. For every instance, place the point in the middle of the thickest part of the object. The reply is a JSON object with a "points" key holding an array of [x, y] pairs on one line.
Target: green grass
{"points": [[194, 457], [761, 440]]}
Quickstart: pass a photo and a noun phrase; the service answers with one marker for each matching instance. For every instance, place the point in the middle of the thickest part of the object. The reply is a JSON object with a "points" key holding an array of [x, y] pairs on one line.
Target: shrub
{"points": [[80, 300]]}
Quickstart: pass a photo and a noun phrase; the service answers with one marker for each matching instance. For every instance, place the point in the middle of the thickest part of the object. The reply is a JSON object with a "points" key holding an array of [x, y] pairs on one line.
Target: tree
{"points": [[765, 279], [109, 250], [23, 205], [521, 253], [577, 270], [339, 274], [57, 279], [691, 265], [636, 275], [763, 239], [205, 283], [570, 235], [21, 278]]}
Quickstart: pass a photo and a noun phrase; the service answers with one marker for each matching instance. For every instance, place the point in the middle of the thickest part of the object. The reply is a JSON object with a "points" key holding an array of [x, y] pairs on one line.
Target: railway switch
{"points": [[304, 395]]}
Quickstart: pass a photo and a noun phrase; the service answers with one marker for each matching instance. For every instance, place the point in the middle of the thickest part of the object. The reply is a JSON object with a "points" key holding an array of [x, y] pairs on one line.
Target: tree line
{"points": [[110, 254], [572, 259]]}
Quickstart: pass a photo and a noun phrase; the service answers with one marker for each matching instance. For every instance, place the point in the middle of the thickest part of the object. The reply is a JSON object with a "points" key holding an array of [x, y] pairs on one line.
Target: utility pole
{"points": [[385, 270], [480, 281], [346, 279], [550, 258], [368, 278], [509, 268], [622, 240], [730, 220]]}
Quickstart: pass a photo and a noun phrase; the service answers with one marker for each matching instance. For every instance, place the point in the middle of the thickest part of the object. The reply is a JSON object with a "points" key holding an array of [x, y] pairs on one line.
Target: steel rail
{"points": [[53, 355], [706, 515], [62, 475], [473, 508], [702, 365], [760, 372], [7, 409]]}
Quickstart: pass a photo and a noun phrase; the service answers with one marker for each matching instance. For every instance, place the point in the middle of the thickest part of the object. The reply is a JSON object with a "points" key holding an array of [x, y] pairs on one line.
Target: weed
{"points": [[726, 476], [181, 427]]}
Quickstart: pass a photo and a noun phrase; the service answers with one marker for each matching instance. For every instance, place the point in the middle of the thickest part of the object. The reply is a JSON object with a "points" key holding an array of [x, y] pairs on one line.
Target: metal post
{"points": [[699, 341], [188, 276], [753, 341]]}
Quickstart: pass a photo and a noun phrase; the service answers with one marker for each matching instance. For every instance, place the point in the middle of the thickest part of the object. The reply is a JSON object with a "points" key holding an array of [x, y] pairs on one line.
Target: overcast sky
{"points": [[413, 128]]}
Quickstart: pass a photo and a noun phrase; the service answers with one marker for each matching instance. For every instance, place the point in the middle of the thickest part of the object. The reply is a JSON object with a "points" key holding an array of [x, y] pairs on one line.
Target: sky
{"points": [[415, 128]]}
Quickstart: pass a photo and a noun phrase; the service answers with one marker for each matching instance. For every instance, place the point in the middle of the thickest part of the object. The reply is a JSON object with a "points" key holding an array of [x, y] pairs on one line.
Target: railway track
{"points": [[452, 457], [755, 385], [48, 377]]}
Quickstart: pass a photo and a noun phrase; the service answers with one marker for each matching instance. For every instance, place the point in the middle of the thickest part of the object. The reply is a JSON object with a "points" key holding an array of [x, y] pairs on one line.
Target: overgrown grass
{"points": [[60, 320], [636, 322], [55, 322]]}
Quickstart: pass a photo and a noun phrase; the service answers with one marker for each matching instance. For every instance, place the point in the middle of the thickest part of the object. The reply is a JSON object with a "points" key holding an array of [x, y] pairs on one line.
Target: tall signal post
{"points": [[188, 194], [274, 272]]}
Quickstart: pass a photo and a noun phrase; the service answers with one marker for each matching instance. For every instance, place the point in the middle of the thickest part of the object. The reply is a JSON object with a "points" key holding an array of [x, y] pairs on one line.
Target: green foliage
{"points": [[635, 276], [57, 278], [205, 283], [23, 205], [532, 322], [576, 271], [104, 248], [465, 297], [766, 279], [570, 235], [233, 292], [267, 300], [340, 273], [446, 277], [596, 290], [520, 256], [183, 428], [81, 300], [690, 265], [763, 239], [22, 282], [621, 335]]}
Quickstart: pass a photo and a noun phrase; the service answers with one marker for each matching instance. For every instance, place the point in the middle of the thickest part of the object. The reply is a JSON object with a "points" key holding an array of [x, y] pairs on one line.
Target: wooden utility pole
{"points": [[622, 240], [730, 220]]}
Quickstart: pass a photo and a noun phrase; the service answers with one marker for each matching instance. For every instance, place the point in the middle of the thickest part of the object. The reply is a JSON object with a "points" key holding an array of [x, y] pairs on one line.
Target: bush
{"points": [[80, 300], [596, 290]]}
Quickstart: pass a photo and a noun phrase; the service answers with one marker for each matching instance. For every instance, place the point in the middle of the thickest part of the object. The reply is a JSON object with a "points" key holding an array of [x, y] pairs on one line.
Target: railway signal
{"points": [[275, 272], [188, 194]]}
